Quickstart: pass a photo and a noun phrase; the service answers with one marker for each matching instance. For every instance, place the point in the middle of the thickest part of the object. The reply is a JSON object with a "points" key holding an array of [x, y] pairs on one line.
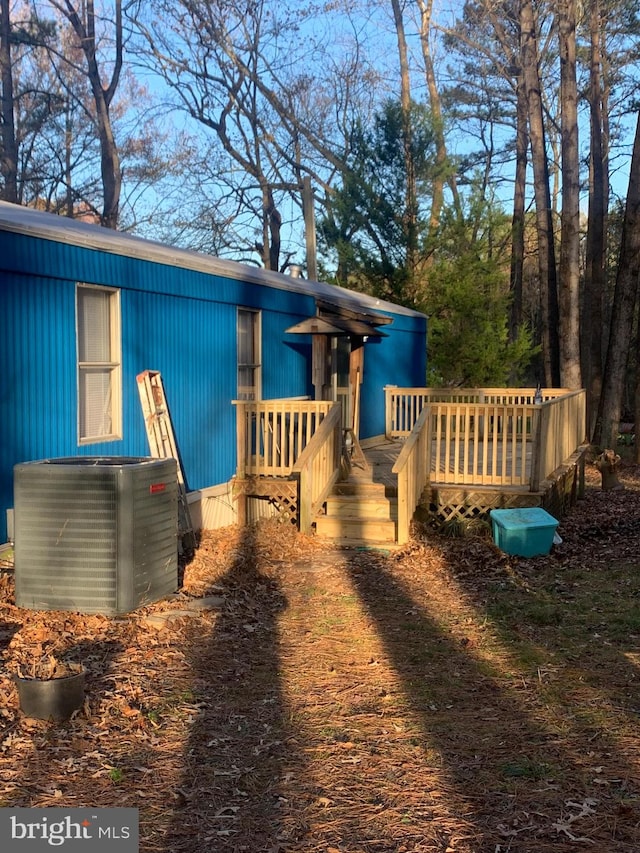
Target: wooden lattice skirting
{"points": [[459, 503], [282, 494], [559, 492]]}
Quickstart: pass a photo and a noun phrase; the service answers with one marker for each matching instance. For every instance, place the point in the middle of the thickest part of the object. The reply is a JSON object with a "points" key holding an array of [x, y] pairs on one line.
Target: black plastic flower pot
{"points": [[51, 698]]}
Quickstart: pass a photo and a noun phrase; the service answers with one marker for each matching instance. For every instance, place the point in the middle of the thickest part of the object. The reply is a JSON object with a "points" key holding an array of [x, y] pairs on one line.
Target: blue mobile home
{"points": [[85, 310]]}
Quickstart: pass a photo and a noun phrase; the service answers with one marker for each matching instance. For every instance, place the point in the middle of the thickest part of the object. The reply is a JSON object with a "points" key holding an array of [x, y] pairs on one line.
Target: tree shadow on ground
{"points": [[231, 792], [7, 630], [510, 771]]}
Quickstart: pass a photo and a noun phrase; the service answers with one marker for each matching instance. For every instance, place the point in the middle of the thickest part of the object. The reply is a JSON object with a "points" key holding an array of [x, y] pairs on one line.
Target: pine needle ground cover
{"points": [[444, 697]]}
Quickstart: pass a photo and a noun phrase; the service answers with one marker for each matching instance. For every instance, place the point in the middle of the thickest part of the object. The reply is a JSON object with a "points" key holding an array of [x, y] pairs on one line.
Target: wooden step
{"points": [[365, 488], [360, 513], [356, 531], [362, 506]]}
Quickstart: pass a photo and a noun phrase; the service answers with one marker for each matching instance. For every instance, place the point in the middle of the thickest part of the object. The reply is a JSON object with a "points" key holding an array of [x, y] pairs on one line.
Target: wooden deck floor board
{"points": [[381, 458]]}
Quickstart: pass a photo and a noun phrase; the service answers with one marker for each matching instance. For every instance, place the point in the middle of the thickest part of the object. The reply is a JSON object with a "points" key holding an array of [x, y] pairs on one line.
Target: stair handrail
{"points": [[318, 467], [412, 470]]}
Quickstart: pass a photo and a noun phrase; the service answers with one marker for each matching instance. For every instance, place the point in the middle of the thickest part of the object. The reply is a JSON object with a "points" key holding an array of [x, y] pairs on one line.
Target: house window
{"points": [[249, 368], [99, 369]]}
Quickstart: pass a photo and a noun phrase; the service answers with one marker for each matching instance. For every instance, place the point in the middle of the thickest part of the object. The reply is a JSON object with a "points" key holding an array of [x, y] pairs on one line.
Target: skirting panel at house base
{"points": [[213, 507]]}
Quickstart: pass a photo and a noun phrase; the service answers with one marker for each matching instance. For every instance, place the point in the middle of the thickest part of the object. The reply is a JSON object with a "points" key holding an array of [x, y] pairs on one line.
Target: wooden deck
{"points": [[383, 455], [461, 452], [460, 500], [453, 498]]}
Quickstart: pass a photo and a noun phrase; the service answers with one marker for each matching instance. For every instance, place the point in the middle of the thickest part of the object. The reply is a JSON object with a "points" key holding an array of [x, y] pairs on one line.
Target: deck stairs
{"points": [[359, 515], [362, 510]]}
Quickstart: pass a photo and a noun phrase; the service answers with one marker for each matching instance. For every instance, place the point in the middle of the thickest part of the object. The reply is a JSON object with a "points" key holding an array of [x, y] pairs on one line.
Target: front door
{"points": [[340, 377], [347, 372], [338, 362]]}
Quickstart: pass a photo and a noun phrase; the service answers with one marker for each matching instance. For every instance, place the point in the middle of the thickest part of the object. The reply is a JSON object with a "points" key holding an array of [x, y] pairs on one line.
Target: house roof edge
{"points": [[36, 223]]}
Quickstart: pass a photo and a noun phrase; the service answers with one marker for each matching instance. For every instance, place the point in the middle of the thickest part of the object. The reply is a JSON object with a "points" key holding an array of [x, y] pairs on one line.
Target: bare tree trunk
{"points": [[636, 405], [518, 220], [596, 248], [569, 279], [636, 408], [274, 222], [83, 21], [68, 171], [109, 163], [437, 199], [544, 218], [9, 158], [410, 212], [624, 302]]}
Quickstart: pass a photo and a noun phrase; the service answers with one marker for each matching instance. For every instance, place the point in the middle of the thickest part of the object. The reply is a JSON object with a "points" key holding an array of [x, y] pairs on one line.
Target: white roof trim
{"points": [[48, 226]]}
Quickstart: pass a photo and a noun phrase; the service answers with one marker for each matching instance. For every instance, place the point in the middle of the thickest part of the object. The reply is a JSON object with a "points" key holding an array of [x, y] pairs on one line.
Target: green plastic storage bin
{"points": [[524, 532]]}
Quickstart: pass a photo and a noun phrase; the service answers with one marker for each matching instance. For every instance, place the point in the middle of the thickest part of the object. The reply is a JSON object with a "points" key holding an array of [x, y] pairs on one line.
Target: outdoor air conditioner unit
{"points": [[95, 534]]}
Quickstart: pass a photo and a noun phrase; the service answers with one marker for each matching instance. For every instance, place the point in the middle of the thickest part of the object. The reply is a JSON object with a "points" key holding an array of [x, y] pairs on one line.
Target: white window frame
{"points": [[104, 425], [255, 365]]}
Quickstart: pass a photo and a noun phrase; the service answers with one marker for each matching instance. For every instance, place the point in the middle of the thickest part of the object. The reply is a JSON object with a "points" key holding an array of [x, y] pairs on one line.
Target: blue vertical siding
{"points": [[286, 360], [180, 321], [37, 375], [37, 358], [193, 345], [399, 359]]}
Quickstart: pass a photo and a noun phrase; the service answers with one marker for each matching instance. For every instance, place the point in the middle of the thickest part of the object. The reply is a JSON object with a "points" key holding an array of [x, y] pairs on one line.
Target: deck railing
{"points": [[560, 429], [491, 436], [272, 434], [412, 470], [403, 405], [318, 467]]}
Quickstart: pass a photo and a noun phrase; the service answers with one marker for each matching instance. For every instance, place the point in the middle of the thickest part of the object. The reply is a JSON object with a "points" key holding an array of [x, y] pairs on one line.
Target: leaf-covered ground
{"points": [[445, 697]]}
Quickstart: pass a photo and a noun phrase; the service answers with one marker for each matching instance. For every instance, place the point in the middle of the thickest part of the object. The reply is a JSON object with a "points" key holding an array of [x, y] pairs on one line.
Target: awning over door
{"points": [[333, 320], [320, 326]]}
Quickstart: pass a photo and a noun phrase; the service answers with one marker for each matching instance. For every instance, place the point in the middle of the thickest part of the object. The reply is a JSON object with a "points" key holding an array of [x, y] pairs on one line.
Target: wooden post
{"points": [[240, 493], [536, 449], [240, 496], [319, 364], [241, 439], [304, 500], [388, 410], [356, 367], [404, 519]]}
